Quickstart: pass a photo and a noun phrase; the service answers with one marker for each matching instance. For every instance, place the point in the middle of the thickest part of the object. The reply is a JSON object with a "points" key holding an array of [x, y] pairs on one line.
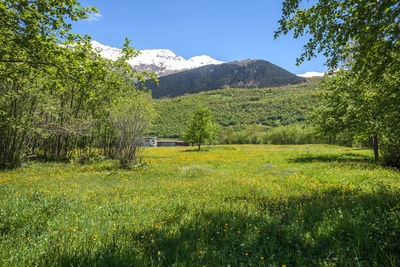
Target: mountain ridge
{"points": [[251, 73]]}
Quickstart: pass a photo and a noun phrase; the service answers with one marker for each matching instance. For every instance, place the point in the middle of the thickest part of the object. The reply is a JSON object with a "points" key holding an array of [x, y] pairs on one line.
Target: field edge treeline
{"points": [[58, 95]]}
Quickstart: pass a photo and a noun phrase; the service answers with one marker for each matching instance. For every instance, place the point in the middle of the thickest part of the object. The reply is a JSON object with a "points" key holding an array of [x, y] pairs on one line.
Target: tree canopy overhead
{"points": [[367, 31], [32, 30]]}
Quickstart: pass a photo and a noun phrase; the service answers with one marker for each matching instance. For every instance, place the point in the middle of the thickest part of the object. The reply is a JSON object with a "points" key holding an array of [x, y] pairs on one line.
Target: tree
{"points": [[31, 31], [349, 108], [38, 67], [55, 90], [366, 30], [131, 114], [200, 128], [362, 37]]}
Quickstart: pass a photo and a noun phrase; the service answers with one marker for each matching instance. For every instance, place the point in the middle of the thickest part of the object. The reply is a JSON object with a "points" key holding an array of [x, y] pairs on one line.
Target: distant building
{"points": [[163, 143], [154, 142], [150, 141]]}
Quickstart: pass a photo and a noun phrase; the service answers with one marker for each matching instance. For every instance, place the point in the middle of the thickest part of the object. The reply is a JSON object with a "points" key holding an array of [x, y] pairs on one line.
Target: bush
{"points": [[390, 152], [132, 114], [255, 139], [291, 135], [87, 156], [242, 138]]}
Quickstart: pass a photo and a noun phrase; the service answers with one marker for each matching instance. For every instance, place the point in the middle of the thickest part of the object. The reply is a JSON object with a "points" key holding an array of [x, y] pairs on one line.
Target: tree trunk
{"points": [[375, 147], [199, 147]]}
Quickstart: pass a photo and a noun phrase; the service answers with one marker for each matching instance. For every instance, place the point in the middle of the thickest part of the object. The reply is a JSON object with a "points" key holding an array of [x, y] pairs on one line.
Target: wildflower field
{"points": [[250, 205]]}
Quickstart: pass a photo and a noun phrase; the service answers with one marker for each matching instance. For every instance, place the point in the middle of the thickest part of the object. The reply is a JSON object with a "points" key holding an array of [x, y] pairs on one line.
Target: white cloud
{"points": [[311, 74], [94, 17]]}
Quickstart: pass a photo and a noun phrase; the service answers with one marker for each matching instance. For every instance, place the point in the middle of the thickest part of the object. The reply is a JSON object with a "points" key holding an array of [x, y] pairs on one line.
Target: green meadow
{"points": [[250, 205]]}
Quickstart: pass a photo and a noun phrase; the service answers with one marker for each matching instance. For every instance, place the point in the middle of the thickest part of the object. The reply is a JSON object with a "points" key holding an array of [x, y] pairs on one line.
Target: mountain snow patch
{"points": [[160, 61], [311, 74]]}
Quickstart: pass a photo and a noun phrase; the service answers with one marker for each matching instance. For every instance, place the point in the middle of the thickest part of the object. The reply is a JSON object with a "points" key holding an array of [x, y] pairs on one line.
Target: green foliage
{"points": [[200, 128], [32, 30], [344, 111], [238, 74], [252, 134], [390, 151], [362, 36], [131, 114], [55, 90], [87, 156], [260, 205], [364, 31], [236, 109], [360, 110], [291, 135], [288, 134], [31, 62]]}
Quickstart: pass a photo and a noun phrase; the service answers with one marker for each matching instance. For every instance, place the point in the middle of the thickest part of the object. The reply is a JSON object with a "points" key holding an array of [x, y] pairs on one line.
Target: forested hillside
{"points": [[238, 74], [238, 108]]}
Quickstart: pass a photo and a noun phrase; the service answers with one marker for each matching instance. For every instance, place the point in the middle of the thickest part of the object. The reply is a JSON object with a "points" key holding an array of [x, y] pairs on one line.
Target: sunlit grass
{"points": [[251, 205]]}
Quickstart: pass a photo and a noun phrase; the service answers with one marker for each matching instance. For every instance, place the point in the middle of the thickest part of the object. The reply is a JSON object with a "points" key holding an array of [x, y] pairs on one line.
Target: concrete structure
{"points": [[163, 143], [154, 142], [150, 141]]}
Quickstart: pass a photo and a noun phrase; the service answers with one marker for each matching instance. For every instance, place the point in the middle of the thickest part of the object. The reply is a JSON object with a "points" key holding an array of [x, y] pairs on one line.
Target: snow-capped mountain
{"points": [[160, 61], [311, 74]]}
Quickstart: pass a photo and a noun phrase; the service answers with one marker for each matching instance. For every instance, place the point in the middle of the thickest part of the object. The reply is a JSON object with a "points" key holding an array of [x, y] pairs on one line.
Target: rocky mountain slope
{"points": [[237, 74]]}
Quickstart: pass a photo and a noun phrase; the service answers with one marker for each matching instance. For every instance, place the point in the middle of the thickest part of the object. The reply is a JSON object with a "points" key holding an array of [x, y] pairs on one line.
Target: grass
{"points": [[227, 205]]}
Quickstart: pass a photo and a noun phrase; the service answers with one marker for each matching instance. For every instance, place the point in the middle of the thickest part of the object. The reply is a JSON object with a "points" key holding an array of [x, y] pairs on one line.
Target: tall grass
{"points": [[228, 205]]}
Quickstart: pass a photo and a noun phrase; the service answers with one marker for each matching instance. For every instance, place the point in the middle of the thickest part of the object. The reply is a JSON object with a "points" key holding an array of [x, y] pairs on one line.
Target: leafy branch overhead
{"points": [[36, 28], [367, 31]]}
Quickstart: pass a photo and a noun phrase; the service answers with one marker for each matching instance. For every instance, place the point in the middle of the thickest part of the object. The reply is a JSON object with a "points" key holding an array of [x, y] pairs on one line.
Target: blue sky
{"points": [[226, 30]]}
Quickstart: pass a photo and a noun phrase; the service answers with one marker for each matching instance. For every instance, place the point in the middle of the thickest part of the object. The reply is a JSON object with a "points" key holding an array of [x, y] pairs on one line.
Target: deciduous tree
{"points": [[131, 113], [363, 38], [55, 90], [200, 128]]}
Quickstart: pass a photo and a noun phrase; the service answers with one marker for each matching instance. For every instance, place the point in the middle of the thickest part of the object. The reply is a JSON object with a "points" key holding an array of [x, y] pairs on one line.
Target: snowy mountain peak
{"points": [[160, 61], [204, 60], [311, 74]]}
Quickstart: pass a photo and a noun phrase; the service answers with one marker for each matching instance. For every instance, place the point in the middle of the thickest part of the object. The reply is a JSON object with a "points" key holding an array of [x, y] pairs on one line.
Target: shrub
{"points": [[255, 139], [291, 135], [87, 156], [390, 152], [132, 114]]}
